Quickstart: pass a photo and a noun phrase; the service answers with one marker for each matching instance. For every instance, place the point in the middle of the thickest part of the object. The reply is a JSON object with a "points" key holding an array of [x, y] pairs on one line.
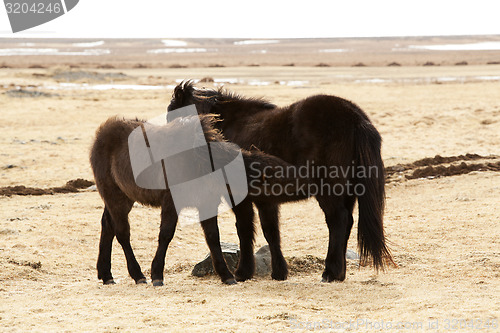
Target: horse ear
{"points": [[183, 91], [178, 92]]}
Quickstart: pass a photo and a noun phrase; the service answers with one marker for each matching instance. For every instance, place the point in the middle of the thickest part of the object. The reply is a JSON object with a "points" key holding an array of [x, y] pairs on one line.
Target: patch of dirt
{"points": [[22, 93], [310, 263], [71, 186], [440, 166], [452, 170], [306, 263], [34, 265], [177, 66], [438, 159]]}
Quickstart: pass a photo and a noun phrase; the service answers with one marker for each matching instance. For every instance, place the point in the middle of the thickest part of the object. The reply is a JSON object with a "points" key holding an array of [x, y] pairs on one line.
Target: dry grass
{"points": [[444, 232]]}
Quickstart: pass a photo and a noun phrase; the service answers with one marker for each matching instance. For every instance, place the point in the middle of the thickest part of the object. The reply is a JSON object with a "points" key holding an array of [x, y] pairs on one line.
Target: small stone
{"points": [[9, 166], [91, 188], [263, 261], [231, 254], [350, 254]]}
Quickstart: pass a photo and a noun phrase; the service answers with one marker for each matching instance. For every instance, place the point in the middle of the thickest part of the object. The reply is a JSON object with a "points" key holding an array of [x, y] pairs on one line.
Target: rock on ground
{"points": [[231, 254]]}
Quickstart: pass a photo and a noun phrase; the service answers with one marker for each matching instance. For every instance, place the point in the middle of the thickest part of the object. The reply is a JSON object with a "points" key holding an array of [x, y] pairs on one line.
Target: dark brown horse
{"points": [[111, 164], [338, 145]]}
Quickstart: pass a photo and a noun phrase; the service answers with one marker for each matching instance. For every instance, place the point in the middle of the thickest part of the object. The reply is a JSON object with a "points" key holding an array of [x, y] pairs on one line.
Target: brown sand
{"points": [[444, 230]]}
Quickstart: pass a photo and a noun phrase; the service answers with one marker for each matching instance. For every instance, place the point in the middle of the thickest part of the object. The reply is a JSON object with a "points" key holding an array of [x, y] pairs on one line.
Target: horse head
{"points": [[186, 94]]}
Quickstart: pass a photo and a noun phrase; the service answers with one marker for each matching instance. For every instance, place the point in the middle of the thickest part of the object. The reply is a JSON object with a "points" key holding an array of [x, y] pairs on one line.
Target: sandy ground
{"points": [[444, 231]]}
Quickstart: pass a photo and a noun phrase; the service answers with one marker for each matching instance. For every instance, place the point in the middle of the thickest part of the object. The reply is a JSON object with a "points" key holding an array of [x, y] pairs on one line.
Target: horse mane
{"points": [[186, 90], [226, 96]]}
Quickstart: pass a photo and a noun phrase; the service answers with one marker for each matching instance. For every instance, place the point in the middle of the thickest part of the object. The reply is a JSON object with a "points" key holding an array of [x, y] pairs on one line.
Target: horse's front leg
{"points": [[246, 232], [168, 224], [269, 220], [212, 237]]}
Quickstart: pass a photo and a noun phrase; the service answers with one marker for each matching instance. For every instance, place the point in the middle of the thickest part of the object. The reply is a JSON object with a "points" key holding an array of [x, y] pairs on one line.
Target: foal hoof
{"points": [[141, 281], [157, 283], [230, 281], [110, 281]]}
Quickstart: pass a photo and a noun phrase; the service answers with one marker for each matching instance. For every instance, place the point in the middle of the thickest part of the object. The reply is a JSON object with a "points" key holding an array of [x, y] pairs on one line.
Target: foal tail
{"points": [[371, 239]]}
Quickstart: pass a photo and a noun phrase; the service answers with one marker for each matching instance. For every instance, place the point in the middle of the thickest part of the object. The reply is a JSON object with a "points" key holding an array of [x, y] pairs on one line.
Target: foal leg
{"points": [[246, 233], [169, 220], [269, 220], [339, 222], [105, 246], [213, 241], [119, 214]]}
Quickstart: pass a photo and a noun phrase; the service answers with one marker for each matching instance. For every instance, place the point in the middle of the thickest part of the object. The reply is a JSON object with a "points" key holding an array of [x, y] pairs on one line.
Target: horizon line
{"points": [[251, 38]]}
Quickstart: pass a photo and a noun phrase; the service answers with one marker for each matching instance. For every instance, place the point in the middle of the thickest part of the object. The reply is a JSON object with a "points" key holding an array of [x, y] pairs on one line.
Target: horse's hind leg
{"points": [[213, 241], [246, 230], [339, 221], [269, 220], [119, 209], [169, 219], [105, 246]]}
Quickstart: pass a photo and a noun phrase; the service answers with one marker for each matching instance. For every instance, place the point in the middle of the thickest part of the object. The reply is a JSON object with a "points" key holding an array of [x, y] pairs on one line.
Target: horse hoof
{"points": [[230, 281], [157, 283], [242, 277], [328, 280], [141, 281], [110, 281], [279, 277]]}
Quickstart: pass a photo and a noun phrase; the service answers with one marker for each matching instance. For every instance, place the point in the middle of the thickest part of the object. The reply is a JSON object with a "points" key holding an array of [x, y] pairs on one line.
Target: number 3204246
{"points": [[35, 8]]}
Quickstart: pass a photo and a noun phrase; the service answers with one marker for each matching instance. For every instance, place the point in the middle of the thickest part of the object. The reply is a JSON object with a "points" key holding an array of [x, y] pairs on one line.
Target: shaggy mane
{"points": [[219, 96]]}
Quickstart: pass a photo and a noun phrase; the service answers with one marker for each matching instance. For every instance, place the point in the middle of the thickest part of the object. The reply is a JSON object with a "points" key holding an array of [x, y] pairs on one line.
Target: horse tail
{"points": [[371, 238]]}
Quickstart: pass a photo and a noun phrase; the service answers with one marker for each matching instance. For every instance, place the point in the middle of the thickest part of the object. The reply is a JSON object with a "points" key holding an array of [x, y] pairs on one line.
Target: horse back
{"points": [[325, 127]]}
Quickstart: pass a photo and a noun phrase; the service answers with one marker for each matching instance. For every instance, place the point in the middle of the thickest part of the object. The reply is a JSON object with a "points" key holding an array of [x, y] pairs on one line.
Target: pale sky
{"points": [[267, 19]]}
